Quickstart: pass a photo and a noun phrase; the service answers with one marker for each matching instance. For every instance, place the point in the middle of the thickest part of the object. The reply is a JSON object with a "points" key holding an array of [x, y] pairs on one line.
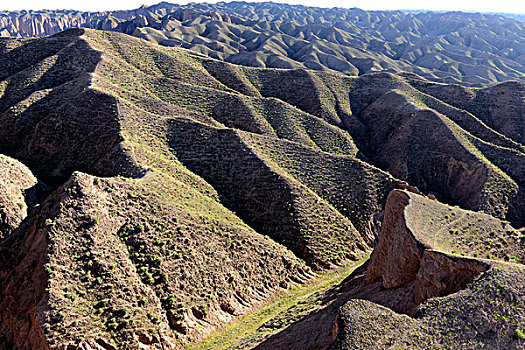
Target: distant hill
{"points": [[449, 47], [518, 16]]}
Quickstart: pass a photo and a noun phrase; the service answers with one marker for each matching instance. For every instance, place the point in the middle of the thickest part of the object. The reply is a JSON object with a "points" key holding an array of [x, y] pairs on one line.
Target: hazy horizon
{"points": [[504, 6]]}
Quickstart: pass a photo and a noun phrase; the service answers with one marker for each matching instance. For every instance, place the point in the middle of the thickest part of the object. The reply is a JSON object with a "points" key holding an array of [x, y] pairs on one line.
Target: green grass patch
{"points": [[251, 323]]}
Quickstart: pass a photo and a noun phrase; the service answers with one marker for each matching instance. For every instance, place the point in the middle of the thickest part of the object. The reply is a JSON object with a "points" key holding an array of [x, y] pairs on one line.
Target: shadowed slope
{"points": [[51, 115]]}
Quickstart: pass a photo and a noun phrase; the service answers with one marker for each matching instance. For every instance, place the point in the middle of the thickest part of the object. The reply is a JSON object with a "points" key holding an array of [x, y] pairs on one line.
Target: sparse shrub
{"points": [[112, 324], [520, 334], [171, 301]]}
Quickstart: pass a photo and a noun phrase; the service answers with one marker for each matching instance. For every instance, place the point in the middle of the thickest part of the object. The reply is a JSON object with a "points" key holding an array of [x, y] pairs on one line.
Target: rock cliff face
{"points": [[411, 251], [440, 275], [405, 257], [408, 257], [36, 24], [409, 273], [402, 259], [48, 22]]}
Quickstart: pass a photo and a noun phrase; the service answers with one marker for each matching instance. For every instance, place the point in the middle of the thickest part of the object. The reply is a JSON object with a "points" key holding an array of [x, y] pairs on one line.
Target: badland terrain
{"points": [[262, 176]]}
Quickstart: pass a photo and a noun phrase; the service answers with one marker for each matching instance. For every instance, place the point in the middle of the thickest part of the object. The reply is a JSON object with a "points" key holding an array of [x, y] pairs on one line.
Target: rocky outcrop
{"points": [[441, 274], [15, 184], [405, 257], [461, 318], [36, 24], [411, 274], [411, 268], [396, 258]]}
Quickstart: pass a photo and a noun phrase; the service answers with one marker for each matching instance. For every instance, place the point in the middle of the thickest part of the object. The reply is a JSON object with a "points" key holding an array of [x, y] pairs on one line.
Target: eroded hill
{"points": [[187, 191], [468, 48]]}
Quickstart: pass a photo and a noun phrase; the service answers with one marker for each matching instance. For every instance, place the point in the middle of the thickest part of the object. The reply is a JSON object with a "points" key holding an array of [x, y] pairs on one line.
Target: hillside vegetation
{"points": [[468, 48], [165, 194]]}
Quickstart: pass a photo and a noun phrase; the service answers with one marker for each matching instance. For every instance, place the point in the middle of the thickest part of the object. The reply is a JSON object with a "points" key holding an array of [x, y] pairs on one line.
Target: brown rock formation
{"points": [[396, 259], [405, 258], [441, 274]]}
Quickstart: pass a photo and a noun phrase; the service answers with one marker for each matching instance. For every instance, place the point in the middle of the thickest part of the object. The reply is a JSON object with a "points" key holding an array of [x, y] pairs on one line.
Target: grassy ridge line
{"points": [[462, 232], [190, 90], [228, 336], [465, 119], [343, 181], [174, 224], [268, 199]]}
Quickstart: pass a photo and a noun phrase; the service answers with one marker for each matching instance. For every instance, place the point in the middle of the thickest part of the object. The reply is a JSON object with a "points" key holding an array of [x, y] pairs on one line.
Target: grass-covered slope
{"points": [[116, 259], [311, 108], [355, 188], [153, 257], [500, 107], [333, 102], [208, 145], [187, 191], [487, 314], [267, 199], [463, 232], [51, 115]]}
